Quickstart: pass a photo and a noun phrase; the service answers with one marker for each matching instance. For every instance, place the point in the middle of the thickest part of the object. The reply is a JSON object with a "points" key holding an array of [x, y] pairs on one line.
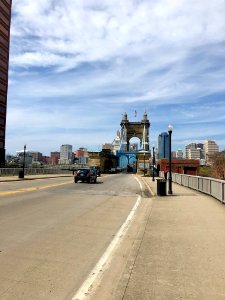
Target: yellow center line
{"points": [[34, 188]]}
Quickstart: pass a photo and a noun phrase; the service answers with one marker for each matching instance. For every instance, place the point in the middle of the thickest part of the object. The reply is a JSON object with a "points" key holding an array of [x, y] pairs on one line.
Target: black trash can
{"points": [[21, 174], [161, 187]]}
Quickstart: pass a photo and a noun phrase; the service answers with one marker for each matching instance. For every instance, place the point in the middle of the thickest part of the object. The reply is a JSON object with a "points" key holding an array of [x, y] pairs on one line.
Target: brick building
{"points": [[104, 159], [182, 166], [5, 20], [81, 156], [54, 158]]}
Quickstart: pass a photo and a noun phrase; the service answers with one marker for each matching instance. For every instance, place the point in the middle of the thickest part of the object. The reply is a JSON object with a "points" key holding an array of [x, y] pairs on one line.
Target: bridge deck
{"points": [[182, 251], [182, 254]]}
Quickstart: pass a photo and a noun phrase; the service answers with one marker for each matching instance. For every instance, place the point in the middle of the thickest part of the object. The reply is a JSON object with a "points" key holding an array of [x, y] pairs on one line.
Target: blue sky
{"points": [[77, 65]]}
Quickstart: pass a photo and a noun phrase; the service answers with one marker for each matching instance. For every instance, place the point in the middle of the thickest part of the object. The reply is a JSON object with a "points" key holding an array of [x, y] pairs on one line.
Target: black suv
{"points": [[85, 174]]}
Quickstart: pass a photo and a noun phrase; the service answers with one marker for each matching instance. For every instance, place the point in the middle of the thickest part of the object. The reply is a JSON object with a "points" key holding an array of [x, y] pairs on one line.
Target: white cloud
{"points": [[113, 56], [91, 31]]}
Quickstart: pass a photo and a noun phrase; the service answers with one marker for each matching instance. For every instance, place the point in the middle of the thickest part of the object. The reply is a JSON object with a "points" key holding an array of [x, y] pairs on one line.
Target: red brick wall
{"points": [[182, 166]]}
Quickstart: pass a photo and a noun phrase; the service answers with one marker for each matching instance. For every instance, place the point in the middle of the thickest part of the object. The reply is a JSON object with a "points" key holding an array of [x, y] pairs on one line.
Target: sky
{"points": [[77, 65]]}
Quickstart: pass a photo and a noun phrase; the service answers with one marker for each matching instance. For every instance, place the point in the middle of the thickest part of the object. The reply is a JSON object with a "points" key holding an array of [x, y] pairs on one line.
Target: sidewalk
{"points": [[180, 253], [32, 177]]}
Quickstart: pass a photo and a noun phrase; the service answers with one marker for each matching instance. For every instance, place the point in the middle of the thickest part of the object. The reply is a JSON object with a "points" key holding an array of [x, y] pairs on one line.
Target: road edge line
{"points": [[97, 272]]}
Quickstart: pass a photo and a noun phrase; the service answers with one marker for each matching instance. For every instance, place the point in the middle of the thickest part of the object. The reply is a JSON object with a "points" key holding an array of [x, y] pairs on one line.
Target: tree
{"points": [[218, 164]]}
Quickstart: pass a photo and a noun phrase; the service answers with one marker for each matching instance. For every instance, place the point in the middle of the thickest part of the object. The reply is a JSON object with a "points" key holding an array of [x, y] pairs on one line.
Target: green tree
{"points": [[218, 164]]}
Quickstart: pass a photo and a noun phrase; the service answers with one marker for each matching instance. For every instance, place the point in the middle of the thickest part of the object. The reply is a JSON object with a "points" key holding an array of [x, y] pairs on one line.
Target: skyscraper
{"points": [[195, 151], [5, 20], [210, 148], [163, 145], [189, 147], [66, 154]]}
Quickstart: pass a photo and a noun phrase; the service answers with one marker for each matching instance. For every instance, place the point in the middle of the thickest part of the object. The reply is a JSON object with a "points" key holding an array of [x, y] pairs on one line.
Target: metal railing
{"points": [[33, 171], [210, 186]]}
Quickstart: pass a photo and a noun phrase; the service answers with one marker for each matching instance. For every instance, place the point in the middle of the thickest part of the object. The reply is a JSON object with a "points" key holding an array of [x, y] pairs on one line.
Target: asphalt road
{"points": [[53, 232]]}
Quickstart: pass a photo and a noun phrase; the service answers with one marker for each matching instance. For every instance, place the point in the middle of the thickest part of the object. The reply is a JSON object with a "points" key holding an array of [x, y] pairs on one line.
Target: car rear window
{"points": [[82, 171]]}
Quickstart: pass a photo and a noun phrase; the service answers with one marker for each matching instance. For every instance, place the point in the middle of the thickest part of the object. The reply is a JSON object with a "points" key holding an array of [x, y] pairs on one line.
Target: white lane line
{"points": [[96, 274], [141, 187], [148, 187]]}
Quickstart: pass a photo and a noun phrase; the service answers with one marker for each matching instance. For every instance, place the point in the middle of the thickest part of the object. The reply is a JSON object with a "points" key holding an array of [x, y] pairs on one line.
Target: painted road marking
{"points": [[149, 188], [25, 190], [95, 275]]}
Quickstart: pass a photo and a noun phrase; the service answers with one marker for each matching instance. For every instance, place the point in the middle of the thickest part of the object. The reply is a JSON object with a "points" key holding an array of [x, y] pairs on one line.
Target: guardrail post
{"points": [[210, 187], [222, 192]]}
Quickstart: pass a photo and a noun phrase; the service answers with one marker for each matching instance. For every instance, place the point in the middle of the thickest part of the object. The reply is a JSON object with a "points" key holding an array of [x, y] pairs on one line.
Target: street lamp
{"points": [[170, 129], [153, 162], [24, 155], [144, 163]]}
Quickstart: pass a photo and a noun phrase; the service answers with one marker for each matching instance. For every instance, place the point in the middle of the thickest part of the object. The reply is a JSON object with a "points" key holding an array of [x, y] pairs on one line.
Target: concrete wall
{"points": [[210, 186]]}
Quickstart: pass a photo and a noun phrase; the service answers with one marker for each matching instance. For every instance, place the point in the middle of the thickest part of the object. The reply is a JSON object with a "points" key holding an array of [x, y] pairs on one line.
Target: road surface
{"points": [[53, 232]]}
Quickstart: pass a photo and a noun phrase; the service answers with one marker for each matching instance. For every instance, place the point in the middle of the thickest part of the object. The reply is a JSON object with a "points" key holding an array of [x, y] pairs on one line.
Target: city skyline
{"points": [[71, 80]]}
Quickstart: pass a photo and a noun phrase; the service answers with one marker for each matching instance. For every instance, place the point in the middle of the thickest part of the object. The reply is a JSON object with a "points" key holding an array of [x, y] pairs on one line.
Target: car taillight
{"points": [[88, 174]]}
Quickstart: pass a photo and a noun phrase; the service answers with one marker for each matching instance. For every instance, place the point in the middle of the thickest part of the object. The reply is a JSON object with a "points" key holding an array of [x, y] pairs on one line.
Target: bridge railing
{"points": [[210, 186], [33, 171]]}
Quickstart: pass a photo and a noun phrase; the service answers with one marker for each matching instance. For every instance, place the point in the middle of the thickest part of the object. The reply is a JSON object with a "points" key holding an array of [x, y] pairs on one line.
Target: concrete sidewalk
{"points": [[182, 254], [179, 253]]}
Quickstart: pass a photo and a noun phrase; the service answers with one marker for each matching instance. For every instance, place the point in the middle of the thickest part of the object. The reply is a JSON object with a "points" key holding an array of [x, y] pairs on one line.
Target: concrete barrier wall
{"points": [[32, 171], [209, 186], [206, 185]]}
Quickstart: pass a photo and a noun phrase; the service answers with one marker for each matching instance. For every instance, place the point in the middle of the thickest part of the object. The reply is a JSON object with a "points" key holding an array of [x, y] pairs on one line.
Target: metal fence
{"points": [[210, 186], [33, 171]]}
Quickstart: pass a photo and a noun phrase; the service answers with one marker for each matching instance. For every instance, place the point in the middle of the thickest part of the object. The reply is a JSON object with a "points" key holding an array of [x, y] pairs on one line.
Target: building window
{"points": [[4, 53], [4, 30], [2, 109], [2, 133], [8, 2], [2, 99], [3, 64], [4, 19], [3, 87], [5, 8], [4, 41], [2, 121], [3, 76]]}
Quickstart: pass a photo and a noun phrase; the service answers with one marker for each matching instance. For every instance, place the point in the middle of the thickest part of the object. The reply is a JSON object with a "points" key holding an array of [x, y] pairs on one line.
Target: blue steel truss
{"points": [[126, 158]]}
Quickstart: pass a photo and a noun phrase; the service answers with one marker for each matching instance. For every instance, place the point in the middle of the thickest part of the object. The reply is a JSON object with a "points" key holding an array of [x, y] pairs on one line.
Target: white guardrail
{"points": [[210, 186]]}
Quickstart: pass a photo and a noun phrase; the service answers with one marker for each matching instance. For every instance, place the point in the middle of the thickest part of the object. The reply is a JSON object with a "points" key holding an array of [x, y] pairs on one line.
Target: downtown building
{"points": [[81, 156], [201, 151], [179, 154], [54, 158], [66, 155], [37, 156], [163, 145], [5, 20], [210, 148], [195, 151]]}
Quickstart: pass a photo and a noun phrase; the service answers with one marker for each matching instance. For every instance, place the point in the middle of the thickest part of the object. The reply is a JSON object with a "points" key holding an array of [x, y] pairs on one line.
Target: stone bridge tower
{"points": [[135, 129]]}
